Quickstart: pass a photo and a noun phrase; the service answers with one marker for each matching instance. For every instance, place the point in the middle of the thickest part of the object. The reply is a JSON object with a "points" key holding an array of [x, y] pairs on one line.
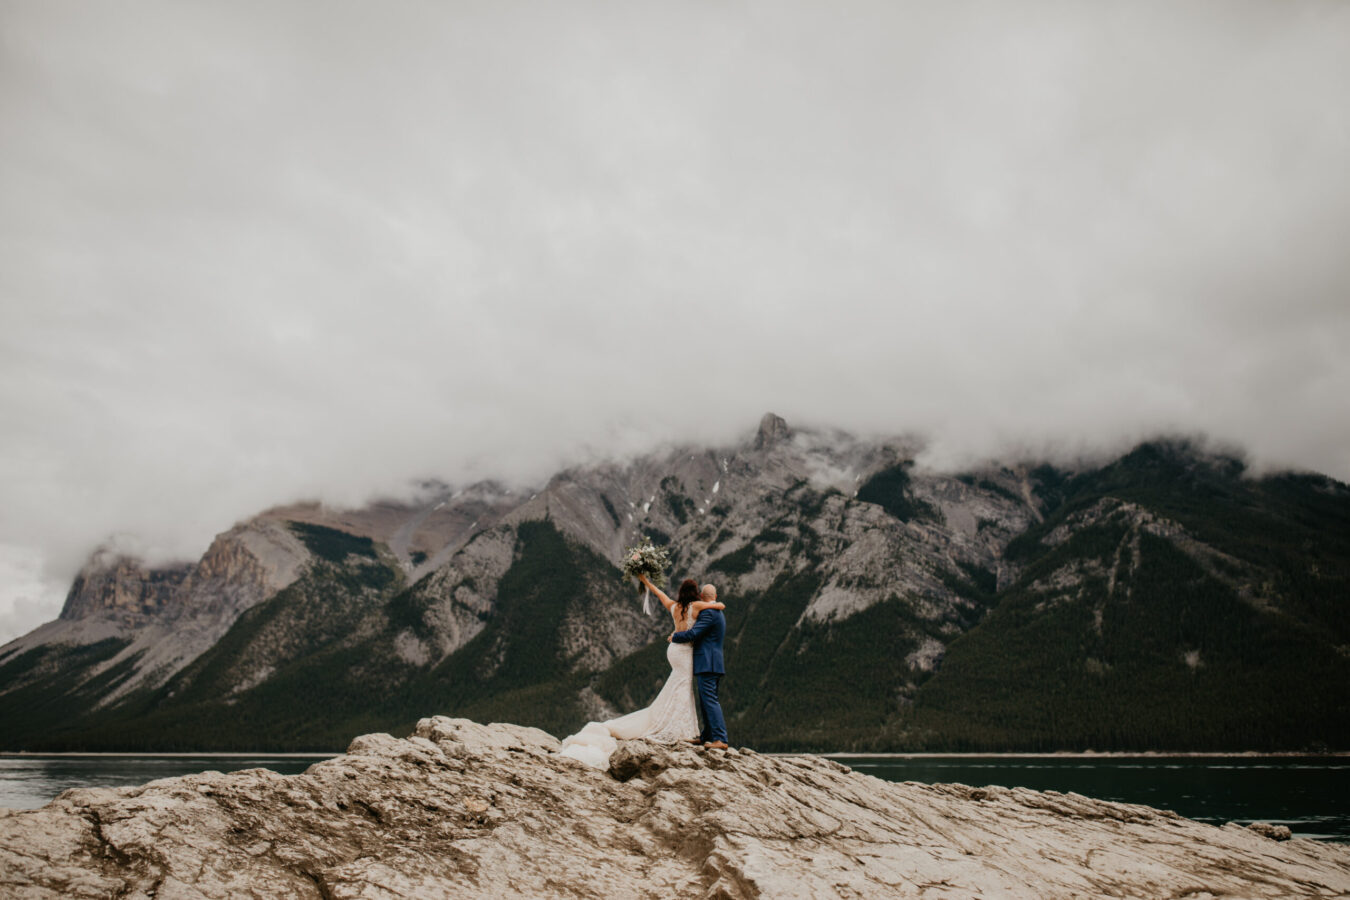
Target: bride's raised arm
{"points": [[660, 595]]}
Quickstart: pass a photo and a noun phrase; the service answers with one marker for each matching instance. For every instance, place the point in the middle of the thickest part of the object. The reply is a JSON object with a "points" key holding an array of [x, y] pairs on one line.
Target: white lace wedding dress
{"points": [[671, 717]]}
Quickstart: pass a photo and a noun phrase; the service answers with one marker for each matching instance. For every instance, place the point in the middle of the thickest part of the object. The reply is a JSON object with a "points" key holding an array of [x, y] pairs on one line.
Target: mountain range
{"points": [[1164, 600]]}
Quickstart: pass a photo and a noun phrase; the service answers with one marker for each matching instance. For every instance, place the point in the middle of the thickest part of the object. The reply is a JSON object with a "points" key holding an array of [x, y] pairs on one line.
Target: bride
{"points": [[672, 715]]}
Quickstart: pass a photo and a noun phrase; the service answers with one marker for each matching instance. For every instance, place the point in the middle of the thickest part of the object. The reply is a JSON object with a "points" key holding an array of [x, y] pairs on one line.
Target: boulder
{"points": [[460, 809], [1274, 832]]}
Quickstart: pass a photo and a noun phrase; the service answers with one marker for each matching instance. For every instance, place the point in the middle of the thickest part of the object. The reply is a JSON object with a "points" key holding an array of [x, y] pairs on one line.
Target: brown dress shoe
{"points": [[716, 745]]}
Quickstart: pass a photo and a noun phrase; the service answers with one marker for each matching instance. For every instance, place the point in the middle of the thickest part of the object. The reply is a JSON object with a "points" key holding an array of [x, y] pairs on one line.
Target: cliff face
{"points": [[465, 810], [123, 589]]}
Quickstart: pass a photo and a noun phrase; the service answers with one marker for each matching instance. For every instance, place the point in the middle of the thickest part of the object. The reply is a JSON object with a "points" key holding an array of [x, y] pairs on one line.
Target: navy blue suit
{"points": [[706, 635]]}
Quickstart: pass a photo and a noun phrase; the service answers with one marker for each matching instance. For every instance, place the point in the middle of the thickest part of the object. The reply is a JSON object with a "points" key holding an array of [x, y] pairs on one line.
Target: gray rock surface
{"points": [[465, 810]]}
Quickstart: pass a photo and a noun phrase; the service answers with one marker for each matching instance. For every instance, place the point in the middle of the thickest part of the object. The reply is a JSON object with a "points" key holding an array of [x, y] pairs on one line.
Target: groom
{"points": [[706, 636]]}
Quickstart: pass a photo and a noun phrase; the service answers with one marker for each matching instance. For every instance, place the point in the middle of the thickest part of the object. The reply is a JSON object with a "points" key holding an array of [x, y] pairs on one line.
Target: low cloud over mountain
{"points": [[256, 254]]}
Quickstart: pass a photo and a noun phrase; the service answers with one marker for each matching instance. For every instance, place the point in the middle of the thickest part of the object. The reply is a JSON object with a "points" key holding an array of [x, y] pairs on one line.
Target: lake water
{"points": [[1310, 795]]}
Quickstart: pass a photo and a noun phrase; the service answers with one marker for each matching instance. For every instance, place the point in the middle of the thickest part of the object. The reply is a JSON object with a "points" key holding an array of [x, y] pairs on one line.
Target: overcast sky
{"points": [[253, 252]]}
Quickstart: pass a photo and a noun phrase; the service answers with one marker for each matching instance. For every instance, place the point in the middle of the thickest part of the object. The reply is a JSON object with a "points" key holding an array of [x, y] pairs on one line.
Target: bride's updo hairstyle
{"points": [[688, 593]]}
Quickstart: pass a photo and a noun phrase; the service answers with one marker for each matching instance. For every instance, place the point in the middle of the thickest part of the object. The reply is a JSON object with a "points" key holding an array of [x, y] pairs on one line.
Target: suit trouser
{"points": [[714, 728]]}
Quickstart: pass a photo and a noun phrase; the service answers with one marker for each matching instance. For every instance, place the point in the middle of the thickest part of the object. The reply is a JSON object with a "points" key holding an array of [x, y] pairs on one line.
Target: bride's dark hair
{"points": [[688, 594]]}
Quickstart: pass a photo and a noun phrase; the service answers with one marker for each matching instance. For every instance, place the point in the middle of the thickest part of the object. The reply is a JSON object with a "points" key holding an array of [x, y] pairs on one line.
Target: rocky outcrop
{"points": [[772, 429], [465, 810], [246, 564], [121, 588]]}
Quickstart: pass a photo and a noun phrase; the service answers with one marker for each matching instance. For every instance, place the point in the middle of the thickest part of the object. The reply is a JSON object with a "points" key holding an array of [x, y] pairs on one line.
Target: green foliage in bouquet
{"points": [[646, 559]]}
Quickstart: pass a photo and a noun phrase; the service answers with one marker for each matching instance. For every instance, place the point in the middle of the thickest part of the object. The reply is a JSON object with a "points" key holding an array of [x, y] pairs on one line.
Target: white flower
{"points": [[646, 559]]}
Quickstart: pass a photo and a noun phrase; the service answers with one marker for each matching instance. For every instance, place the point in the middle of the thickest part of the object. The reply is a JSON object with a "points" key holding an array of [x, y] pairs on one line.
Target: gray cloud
{"points": [[254, 252]]}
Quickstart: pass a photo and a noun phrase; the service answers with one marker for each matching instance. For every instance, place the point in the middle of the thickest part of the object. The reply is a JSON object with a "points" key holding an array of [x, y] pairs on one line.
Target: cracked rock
{"points": [[460, 809]]}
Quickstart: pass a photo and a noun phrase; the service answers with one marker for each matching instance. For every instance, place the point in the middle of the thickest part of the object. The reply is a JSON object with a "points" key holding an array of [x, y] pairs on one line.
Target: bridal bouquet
{"points": [[650, 560]]}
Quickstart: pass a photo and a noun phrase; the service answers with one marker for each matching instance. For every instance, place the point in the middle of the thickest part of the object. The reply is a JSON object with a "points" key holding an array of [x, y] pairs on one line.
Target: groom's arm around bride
{"points": [[706, 636]]}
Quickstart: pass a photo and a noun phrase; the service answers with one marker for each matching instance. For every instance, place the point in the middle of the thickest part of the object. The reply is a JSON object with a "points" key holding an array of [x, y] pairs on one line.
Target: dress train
{"points": [[672, 717]]}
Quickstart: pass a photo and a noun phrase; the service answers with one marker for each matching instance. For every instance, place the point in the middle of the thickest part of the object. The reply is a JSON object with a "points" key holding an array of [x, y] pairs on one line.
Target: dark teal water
{"points": [[1309, 794]]}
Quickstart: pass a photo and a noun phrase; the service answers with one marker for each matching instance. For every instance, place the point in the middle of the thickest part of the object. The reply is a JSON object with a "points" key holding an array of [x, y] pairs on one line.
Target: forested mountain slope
{"points": [[1163, 601]]}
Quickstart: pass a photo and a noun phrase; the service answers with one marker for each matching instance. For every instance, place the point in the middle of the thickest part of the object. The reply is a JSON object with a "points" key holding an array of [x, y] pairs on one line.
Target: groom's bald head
{"points": [[708, 592]]}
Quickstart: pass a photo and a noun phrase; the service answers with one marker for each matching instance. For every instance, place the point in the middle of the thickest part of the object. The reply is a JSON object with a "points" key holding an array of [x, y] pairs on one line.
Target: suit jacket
{"points": [[706, 636]]}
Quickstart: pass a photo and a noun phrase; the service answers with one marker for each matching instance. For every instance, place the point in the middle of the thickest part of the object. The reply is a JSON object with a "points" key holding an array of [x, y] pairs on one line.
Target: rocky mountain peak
{"points": [[772, 429], [123, 586]]}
